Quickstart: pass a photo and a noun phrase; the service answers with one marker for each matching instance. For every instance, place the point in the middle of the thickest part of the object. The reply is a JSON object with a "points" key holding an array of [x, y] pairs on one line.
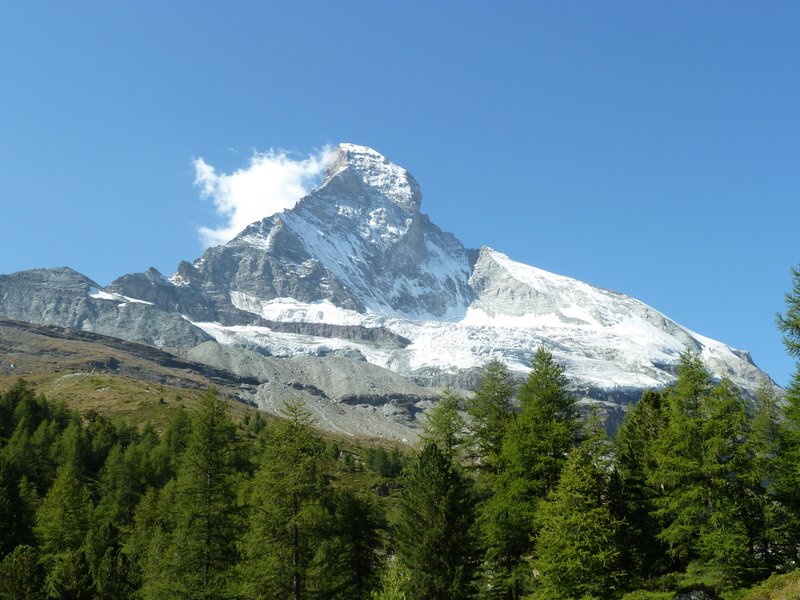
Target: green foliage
{"points": [[22, 575], [394, 583], [695, 483], [534, 449], [201, 549], [287, 515], [384, 462], [434, 536], [789, 322], [352, 546], [68, 576], [445, 425], [703, 465], [65, 513], [489, 411], [546, 428], [644, 595], [777, 587], [786, 486], [111, 571], [16, 510], [635, 462], [577, 549], [679, 464]]}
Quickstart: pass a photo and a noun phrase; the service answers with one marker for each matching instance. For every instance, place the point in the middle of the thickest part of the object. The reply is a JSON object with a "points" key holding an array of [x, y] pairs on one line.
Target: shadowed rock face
{"points": [[356, 302]]}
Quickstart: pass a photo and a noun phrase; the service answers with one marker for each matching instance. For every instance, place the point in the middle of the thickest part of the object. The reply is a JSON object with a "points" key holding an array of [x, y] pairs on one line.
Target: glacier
{"points": [[355, 301]]}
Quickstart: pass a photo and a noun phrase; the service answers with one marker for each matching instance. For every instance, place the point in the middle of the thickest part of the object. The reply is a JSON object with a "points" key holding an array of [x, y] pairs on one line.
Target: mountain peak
{"points": [[374, 172]]}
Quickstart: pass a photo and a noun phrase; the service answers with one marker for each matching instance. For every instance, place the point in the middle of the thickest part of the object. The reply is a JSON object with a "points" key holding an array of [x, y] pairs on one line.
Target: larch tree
{"points": [[534, 450], [787, 483], [635, 461], [445, 426], [288, 515], [490, 413], [434, 537], [577, 549], [201, 551]]}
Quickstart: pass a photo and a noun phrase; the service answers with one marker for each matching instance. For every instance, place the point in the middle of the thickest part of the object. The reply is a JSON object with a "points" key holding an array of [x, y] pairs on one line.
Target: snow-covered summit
{"points": [[376, 172], [356, 270]]}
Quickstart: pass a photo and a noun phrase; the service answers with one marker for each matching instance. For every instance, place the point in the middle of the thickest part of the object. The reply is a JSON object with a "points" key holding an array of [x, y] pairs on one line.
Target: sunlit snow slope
{"points": [[357, 252]]}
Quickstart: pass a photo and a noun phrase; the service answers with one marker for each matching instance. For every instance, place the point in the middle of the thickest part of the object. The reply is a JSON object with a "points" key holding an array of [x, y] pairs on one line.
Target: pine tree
{"points": [[533, 453], [577, 549], [207, 524], [62, 521], [636, 460], [546, 429], [22, 575], [445, 425], [789, 322], [769, 520], [20, 393], [16, 514], [352, 558], [725, 542], [65, 514], [489, 411], [679, 455], [702, 468], [787, 482], [434, 532], [287, 511], [201, 549]]}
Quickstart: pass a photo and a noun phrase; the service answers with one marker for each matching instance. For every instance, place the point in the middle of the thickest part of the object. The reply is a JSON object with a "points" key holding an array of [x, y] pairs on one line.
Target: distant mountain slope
{"points": [[355, 274]]}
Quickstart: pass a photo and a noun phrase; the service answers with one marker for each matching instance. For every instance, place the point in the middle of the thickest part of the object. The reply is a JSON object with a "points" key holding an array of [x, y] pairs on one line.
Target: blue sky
{"points": [[650, 148]]}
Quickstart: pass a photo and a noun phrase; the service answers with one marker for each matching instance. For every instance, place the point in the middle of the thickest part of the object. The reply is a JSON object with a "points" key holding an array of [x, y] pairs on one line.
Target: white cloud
{"points": [[271, 182]]}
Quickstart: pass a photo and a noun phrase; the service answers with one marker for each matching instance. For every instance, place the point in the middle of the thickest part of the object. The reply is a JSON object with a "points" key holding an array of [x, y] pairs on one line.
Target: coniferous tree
{"points": [[201, 552], [534, 450], [577, 549], [787, 482], [62, 521], [769, 520], [22, 575], [352, 558], [434, 536], [445, 425], [110, 569], [678, 472], [725, 542], [287, 512], [65, 514], [635, 461], [702, 468], [120, 486], [20, 393], [16, 512], [489, 411], [789, 322]]}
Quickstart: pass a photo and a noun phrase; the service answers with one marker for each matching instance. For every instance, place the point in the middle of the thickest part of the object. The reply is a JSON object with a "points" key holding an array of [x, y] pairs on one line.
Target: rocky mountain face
{"points": [[65, 298], [356, 302]]}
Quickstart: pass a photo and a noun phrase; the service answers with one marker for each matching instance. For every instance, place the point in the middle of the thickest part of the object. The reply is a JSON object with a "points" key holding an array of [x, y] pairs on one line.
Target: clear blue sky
{"points": [[647, 147]]}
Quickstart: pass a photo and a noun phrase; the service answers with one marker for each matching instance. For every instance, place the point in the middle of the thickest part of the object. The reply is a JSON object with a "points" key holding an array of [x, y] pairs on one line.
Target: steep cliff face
{"points": [[355, 276]]}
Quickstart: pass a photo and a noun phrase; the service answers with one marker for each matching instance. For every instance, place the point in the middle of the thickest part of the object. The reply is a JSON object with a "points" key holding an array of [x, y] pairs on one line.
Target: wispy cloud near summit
{"points": [[271, 182]]}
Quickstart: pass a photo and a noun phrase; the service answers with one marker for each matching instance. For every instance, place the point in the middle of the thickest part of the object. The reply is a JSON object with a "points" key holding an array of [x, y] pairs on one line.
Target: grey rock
{"points": [[64, 297], [360, 243]]}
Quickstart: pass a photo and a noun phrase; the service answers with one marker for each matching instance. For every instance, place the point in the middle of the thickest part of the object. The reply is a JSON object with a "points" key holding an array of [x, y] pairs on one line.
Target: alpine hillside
{"points": [[356, 302]]}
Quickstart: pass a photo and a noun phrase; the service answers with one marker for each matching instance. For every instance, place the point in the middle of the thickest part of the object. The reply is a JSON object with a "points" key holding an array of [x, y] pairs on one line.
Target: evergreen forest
{"points": [[512, 493]]}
